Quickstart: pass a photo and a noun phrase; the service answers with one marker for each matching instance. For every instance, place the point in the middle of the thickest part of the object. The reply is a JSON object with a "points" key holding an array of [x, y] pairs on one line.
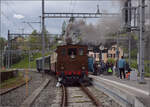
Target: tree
{"points": [[35, 40], [2, 43]]}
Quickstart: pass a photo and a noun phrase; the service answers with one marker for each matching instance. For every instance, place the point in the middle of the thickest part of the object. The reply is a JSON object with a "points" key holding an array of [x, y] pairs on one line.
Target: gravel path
{"points": [[17, 96], [47, 96]]}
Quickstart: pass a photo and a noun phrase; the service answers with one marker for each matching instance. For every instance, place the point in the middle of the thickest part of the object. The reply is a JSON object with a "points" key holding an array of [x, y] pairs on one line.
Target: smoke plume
{"points": [[97, 33]]}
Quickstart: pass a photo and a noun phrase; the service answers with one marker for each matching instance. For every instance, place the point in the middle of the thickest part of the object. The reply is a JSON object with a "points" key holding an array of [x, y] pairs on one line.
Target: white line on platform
{"points": [[124, 85]]}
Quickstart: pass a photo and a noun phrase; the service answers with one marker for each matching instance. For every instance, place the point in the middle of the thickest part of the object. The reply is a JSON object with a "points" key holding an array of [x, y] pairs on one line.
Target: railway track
{"points": [[71, 98], [91, 96], [64, 96]]}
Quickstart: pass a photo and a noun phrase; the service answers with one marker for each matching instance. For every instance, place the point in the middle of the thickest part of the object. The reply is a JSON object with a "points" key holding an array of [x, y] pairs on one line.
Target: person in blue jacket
{"points": [[121, 66], [90, 64]]}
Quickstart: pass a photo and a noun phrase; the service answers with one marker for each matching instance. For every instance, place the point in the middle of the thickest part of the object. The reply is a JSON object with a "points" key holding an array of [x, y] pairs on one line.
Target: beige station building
{"points": [[110, 53]]}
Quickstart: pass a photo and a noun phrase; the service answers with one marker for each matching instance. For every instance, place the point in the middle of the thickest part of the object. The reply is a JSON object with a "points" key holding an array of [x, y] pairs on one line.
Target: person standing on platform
{"points": [[102, 68], [90, 64], [121, 65]]}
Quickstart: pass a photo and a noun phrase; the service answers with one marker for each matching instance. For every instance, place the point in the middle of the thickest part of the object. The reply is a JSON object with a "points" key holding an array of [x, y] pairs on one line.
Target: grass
{"points": [[24, 63], [12, 82], [3, 70], [6, 70], [147, 74]]}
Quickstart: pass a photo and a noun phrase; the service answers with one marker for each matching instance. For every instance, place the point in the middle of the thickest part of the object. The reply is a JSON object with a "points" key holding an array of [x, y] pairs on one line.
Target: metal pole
{"points": [[129, 29], [141, 56], [3, 57], [43, 38], [29, 56], [8, 49], [138, 45], [117, 53], [129, 48], [40, 23], [117, 46]]}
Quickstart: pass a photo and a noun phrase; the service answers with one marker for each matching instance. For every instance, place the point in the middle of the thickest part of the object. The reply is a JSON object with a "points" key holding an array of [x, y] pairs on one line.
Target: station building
{"points": [[106, 53]]}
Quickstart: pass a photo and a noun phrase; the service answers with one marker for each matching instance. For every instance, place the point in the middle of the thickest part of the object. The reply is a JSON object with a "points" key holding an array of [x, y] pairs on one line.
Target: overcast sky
{"points": [[13, 13]]}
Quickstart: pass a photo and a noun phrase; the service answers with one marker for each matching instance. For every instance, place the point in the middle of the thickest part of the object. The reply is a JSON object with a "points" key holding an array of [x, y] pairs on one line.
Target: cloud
{"points": [[18, 16]]}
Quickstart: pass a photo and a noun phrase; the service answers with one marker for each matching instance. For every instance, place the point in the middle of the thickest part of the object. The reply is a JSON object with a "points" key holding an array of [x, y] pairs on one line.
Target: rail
{"points": [[91, 96], [64, 97]]}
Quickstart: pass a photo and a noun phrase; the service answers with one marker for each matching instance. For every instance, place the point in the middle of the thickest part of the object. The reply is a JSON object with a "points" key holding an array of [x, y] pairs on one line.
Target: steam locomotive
{"points": [[69, 62]]}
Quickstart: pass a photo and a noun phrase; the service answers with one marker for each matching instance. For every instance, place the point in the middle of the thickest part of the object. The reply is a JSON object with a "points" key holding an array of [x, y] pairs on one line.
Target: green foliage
{"points": [[35, 41], [134, 53], [147, 74], [24, 63], [2, 43], [134, 36], [125, 50], [146, 67], [134, 64], [54, 46], [2, 70], [111, 60]]}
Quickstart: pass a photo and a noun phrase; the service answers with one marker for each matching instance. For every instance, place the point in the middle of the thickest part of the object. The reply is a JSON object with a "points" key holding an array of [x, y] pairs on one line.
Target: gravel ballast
{"points": [[105, 100], [47, 96], [16, 97]]}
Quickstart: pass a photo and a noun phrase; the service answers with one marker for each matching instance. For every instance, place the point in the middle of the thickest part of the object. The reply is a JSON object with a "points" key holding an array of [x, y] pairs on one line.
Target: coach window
{"points": [[63, 52], [81, 51]]}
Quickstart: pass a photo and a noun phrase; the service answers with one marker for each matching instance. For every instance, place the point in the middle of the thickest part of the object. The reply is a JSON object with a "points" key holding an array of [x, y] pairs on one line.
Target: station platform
{"points": [[126, 89]]}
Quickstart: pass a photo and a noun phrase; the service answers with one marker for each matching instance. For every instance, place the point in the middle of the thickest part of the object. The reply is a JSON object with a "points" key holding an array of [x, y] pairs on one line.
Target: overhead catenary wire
{"points": [[68, 0], [8, 18], [11, 8]]}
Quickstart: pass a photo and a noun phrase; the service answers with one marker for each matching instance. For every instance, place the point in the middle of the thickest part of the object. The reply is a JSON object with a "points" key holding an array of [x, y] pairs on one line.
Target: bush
{"points": [[147, 74], [134, 64], [111, 60]]}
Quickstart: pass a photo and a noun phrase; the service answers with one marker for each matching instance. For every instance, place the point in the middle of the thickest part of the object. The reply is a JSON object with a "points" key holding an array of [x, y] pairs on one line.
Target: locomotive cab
{"points": [[72, 63]]}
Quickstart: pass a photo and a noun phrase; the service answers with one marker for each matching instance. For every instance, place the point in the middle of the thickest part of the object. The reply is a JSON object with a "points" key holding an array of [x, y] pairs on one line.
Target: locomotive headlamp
{"points": [[83, 68], [72, 56]]}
